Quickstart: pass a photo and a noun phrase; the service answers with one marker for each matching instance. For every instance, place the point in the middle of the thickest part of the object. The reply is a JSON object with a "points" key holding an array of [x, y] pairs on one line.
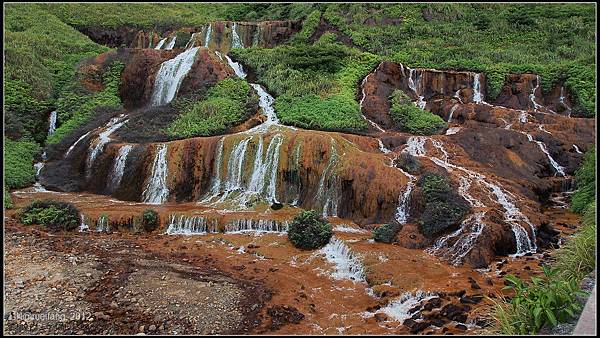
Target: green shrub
{"points": [[308, 230], [408, 163], [547, 300], [52, 214], [412, 119], [585, 178], [7, 200], [444, 208], [18, 162], [308, 27], [150, 220], [386, 233], [577, 258], [228, 103]]}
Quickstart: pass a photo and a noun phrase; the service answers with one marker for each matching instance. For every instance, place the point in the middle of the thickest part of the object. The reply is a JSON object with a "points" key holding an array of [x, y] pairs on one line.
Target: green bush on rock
{"points": [[585, 177], [150, 220], [443, 206], [386, 233], [412, 119], [308, 230], [52, 214]]}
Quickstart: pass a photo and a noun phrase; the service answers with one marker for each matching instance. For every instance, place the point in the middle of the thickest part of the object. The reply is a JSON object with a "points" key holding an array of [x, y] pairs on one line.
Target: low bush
{"points": [[150, 220], [386, 233], [410, 118], [7, 200], [227, 104], [585, 178], [18, 162], [444, 208], [547, 300], [309, 230], [53, 214]]}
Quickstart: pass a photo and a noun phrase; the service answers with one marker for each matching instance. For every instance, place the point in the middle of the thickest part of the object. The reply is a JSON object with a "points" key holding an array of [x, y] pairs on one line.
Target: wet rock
{"points": [[474, 299], [433, 303], [461, 327], [282, 314]]}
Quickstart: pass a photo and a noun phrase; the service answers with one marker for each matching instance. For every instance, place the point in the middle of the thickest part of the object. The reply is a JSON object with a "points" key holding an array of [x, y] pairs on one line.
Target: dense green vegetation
{"points": [[309, 230], [553, 298], [411, 118], [315, 85], [585, 178], [386, 233], [229, 102], [444, 208], [18, 160], [53, 214], [40, 54], [77, 106], [150, 220], [556, 41]]}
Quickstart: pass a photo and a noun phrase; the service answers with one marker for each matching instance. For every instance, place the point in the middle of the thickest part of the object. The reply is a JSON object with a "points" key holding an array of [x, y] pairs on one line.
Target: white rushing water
{"points": [[561, 99], [236, 42], [171, 43], [160, 43], [364, 95], [577, 149], [77, 142], [199, 225], [102, 140], [256, 37], [170, 75], [52, 123], [453, 130], [536, 105], [192, 40], [347, 264], [256, 225], [414, 83], [452, 110], [119, 167], [559, 169], [399, 308], [456, 245], [194, 225], [477, 91], [266, 103], [327, 193], [83, 226], [207, 36], [156, 191]]}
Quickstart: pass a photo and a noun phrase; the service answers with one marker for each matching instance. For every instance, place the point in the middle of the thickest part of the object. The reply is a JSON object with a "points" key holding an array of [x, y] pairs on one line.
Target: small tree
{"points": [[309, 230], [386, 233], [150, 220]]}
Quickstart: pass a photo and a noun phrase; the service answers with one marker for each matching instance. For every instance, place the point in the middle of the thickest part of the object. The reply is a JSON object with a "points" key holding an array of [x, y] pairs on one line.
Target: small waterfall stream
{"points": [[208, 35], [170, 76], [327, 194], [477, 91], [160, 43], [236, 42], [171, 43], [52, 122], [536, 105], [119, 167], [77, 142], [347, 264], [364, 95], [102, 140], [156, 191]]}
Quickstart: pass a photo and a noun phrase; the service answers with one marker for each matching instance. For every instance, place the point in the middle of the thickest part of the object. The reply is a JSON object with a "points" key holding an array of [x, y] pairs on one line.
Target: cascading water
{"points": [[455, 246], [171, 43], [327, 193], [256, 37], [296, 161], [192, 40], [561, 99], [52, 123], [77, 142], [399, 309], [170, 75], [119, 167], [452, 110], [233, 179], [256, 225], [559, 169], [160, 43], [103, 139], [414, 83], [194, 225], [577, 149], [263, 181], [236, 42], [207, 36], [364, 95], [536, 106], [347, 264], [477, 92], [216, 182], [156, 191]]}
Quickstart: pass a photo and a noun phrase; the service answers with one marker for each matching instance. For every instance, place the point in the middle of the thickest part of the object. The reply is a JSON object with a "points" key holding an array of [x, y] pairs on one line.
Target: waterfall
{"points": [[52, 124], [399, 309], [382, 147], [327, 193], [266, 103], [414, 83], [119, 167], [577, 149], [236, 42], [233, 178], [452, 112], [463, 189], [76, 142], [170, 75], [256, 38], [216, 182], [453, 130], [347, 263], [364, 95], [512, 215], [171, 43], [561, 99], [402, 211], [297, 155], [207, 37], [194, 225], [456, 245], [536, 106], [192, 40], [160, 43], [559, 169], [237, 68], [477, 92], [156, 191], [457, 96], [542, 128], [258, 225], [102, 140], [263, 180], [83, 226], [102, 224]]}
